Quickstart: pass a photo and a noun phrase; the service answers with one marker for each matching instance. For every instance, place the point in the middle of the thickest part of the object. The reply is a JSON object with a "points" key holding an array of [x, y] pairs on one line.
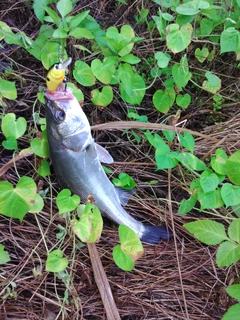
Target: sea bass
{"points": [[76, 159]]}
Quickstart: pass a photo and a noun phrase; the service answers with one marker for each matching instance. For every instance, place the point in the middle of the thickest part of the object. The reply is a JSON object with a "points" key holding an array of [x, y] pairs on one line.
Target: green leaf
{"points": [[187, 205], [210, 200], [122, 259], [234, 231], [233, 313], [64, 7], [76, 92], [130, 249], [37, 205], [83, 74], [183, 101], [80, 33], [44, 169], [163, 99], [190, 161], [130, 242], [132, 85], [103, 71], [16, 202], [40, 146], [53, 15], [218, 162], [10, 143], [178, 38], [187, 141], [162, 59], [192, 7], [213, 83], [208, 181], [102, 99], [89, 227], [130, 58], [163, 158], [60, 33], [13, 128], [207, 231], [230, 194], [227, 254], [77, 19], [201, 54], [181, 74], [8, 89], [124, 181], [49, 54], [55, 262], [38, 7], [206, 27], [233, 167], [230, 40], [66, 202], [234, 292], [4, 256]]}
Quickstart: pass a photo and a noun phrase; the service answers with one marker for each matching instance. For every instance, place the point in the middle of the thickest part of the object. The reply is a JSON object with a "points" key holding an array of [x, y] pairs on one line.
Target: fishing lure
{"points": [[56, 75]]}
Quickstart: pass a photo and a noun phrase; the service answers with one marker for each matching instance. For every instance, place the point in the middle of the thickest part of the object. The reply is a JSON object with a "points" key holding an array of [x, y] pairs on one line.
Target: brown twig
{"points": [[103, 284], [120, 125]]}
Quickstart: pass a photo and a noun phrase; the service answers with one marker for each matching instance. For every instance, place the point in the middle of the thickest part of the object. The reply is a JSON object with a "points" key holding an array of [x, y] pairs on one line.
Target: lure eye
{"points": [[56, 66], [60, 115]]}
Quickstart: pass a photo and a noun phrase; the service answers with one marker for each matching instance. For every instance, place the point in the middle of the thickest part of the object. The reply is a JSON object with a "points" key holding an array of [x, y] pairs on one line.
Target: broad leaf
{"points": [[207, 231], [227, 254]]}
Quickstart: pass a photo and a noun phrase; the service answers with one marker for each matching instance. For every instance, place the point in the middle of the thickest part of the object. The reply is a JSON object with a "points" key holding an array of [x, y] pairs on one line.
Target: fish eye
{"points": [[59, 115]]}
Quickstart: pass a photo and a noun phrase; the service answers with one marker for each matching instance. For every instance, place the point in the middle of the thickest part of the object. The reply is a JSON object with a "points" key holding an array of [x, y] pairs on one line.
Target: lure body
{"points": [[56, 75]]}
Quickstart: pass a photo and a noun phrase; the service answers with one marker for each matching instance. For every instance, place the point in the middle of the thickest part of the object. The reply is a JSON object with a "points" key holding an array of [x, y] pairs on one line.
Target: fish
{"points": [[77, 158]]}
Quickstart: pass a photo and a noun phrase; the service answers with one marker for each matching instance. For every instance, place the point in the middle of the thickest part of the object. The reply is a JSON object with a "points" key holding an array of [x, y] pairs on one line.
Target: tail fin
{"points": [[154, 234]]}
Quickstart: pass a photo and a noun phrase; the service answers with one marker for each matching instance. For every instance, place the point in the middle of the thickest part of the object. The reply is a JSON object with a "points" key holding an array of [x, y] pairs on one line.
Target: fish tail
{"points": [[154, 234]]}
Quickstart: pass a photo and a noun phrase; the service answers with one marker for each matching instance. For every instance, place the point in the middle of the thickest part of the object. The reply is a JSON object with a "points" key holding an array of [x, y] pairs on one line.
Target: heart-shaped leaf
{"points": [[102, 99], [12, 127], [213, 83], [183, 101], [10, 143], [89, 227], [83, 74], [178, 38], [66, 202], [55, 262], [163, 100], [103, 71], [201, 54], [40, 146], [16, 202]]}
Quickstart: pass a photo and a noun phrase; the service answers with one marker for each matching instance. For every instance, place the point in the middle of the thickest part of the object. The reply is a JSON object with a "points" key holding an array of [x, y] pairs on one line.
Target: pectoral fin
{"points": [[103, 155]]}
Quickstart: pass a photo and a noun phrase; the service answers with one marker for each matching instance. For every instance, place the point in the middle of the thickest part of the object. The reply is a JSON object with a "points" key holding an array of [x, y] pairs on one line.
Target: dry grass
{"points": [[177, 279]]}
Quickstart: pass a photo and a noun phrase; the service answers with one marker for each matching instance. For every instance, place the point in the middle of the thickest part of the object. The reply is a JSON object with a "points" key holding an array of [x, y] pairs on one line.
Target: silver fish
{"points": [[77, 161]]}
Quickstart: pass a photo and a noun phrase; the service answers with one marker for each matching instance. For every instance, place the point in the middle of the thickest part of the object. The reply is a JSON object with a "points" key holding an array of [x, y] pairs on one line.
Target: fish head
{"points": [[67, 123]]}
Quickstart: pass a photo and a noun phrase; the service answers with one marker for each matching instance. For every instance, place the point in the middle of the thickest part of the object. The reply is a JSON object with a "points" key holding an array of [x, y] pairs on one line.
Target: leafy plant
{"points": [[129, 250]]}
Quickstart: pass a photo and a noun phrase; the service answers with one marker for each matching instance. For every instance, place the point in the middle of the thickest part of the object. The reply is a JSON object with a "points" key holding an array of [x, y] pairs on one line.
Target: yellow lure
{"points": [[56, 75]]}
